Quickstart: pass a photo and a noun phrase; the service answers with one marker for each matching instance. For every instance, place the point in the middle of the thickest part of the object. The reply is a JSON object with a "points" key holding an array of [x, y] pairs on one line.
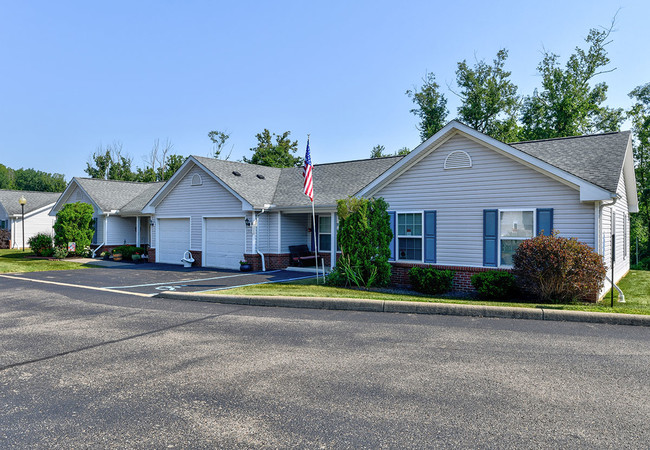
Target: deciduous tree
{"points": [[431, 106], [568, 104], [278, 154]]}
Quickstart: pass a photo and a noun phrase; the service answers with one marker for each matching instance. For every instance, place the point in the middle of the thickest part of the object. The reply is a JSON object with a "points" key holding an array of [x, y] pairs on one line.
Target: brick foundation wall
{"points": [[462, 278], [277, 260]]}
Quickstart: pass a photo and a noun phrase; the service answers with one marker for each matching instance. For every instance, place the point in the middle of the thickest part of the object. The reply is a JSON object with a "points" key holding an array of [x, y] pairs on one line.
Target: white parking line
{"points": [[77, 286], [251, 284], [185, 281]]}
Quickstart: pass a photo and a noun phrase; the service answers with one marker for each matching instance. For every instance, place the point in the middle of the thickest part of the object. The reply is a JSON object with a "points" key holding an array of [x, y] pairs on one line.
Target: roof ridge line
{"points": [[568, 137]]}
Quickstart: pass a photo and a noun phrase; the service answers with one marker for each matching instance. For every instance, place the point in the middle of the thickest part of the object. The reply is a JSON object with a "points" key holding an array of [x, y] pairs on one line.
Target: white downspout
{"points": [[255, 221]]}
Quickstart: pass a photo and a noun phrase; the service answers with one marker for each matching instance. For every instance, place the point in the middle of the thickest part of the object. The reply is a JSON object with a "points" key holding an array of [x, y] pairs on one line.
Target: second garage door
{"points": [[173, 240], [224, 242]]}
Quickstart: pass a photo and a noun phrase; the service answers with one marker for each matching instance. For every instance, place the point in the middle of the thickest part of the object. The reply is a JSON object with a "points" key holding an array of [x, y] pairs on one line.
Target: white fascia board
{"points": [[66, 194], [588, 191], [629, 178], [150, 207]]}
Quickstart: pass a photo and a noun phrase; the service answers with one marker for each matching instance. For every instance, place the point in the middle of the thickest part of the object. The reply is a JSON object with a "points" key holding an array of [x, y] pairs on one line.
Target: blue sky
{"points": [[76, 75]]}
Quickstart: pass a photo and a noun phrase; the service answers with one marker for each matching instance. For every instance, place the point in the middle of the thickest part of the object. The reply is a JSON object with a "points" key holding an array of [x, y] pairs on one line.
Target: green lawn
{"points": [[635, 286], [12, 261]]}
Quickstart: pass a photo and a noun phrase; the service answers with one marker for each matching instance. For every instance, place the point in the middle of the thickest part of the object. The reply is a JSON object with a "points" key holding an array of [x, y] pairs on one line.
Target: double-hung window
{"points": [[409, 236], [324, 233], [514, 227]]}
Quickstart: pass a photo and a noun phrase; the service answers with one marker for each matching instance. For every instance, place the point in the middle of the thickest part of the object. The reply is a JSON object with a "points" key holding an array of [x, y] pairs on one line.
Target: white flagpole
{"points": [[313, 214]]}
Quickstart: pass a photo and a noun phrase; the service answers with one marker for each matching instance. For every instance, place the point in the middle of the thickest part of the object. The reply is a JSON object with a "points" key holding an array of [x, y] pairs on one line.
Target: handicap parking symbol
{"points": [[170, 288]]}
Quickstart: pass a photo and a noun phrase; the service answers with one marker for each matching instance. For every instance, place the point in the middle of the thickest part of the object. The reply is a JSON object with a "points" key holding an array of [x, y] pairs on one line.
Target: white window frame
{"points": [[533, 210], [398, 236], [329, 218]]}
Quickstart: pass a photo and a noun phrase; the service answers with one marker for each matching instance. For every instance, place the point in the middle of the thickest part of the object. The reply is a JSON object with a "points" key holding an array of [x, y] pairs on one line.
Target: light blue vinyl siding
{"points": [[494, 181], [196, 202]]}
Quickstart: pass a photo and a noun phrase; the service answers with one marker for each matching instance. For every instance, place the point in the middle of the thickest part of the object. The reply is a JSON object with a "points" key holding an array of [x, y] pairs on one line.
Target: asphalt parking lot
{"points": [[151, 279]]}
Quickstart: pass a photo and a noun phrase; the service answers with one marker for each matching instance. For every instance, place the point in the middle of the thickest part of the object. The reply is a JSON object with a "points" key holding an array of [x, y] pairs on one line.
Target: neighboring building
{"points": [[460, 200], [117, 209], [37, 220]]}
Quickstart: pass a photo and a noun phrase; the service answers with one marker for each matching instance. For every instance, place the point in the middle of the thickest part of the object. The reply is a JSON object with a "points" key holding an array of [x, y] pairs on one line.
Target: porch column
{"points": [[137, 231], [333, 238]]}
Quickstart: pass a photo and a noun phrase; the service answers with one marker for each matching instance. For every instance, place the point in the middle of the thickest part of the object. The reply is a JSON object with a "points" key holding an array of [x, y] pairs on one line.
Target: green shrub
{"points": [[644, 264], [336, 278], [128, 251], [557, 269], [494, 285], [41, 244], [431, 281], [60, 252], [74, 223], [364, 237]]}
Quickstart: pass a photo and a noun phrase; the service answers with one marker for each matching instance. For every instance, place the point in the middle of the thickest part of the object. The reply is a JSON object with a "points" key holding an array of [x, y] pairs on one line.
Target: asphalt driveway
{"points": [[151, 279]]}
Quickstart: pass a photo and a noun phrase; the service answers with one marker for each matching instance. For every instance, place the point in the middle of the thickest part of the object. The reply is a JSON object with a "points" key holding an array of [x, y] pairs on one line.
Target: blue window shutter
{"points": [[391, 216], [430, 236], [544, 221], [490, 237]]}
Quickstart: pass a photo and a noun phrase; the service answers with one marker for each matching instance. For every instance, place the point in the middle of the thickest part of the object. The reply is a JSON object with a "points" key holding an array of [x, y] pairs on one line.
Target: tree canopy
{"points": [[431, 106], [31, 180], [278, 154], [110, 163], [568, 104], [490, 103]]}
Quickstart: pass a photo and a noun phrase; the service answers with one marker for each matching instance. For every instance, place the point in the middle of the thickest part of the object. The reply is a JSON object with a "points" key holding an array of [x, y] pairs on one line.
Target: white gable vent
{"points": [[196, 180], [458, 160]]}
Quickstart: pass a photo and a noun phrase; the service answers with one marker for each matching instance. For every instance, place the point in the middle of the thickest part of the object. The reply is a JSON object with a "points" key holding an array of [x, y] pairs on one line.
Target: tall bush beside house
{"points": [[364, 237], [41, 244], [558, 269], [74, 223]]}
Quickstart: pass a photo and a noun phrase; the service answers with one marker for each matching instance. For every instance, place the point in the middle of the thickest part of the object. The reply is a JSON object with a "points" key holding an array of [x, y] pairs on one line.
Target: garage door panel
{"points": [[224, 242], [173, 240]]}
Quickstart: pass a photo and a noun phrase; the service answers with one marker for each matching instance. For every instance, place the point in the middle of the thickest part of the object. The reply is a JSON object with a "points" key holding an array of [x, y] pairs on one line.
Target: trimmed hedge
{"points": [[494, 285], [431, 281]]}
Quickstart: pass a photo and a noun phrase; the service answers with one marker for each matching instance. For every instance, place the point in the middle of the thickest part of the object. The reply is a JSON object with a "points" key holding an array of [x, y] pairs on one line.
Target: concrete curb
{"points": [[355, 304]]}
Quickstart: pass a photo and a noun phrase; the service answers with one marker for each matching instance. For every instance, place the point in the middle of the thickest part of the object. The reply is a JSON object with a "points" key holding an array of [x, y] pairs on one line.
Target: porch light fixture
{"points": [[248, 222], [23, 201]]}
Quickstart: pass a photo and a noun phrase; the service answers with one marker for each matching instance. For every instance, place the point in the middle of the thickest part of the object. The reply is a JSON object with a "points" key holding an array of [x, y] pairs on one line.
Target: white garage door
{"points": [[173, 240], [224, 242]]}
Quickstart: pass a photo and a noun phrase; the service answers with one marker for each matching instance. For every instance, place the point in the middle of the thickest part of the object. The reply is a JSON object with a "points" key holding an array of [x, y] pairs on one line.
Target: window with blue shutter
{"points": [[430, 236], [490, 237], [391, 216], [544, 221]]}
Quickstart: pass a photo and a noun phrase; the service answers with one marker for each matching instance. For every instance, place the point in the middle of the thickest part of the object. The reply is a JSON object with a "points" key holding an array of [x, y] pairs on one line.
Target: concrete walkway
{"points": [[355, 304]]}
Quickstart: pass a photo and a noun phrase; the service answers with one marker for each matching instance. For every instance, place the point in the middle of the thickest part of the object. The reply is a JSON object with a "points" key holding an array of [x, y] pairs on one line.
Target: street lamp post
{"points": [[22, 200]]}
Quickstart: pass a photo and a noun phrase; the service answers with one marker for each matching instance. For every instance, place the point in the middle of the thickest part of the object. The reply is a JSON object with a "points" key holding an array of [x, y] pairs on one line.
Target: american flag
{"points": [[307, 173]]}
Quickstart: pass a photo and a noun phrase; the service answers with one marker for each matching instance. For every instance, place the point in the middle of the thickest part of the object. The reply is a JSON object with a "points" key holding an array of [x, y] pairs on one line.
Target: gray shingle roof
{"points": [[596, 158], [284, 187], [135, 206], [332, 181], [255, 190], [35, 200], [116, 195]]}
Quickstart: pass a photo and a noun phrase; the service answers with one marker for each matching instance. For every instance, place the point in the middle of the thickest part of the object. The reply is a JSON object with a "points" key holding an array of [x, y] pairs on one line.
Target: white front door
{"points": [[173, 240], [224, 242]]}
